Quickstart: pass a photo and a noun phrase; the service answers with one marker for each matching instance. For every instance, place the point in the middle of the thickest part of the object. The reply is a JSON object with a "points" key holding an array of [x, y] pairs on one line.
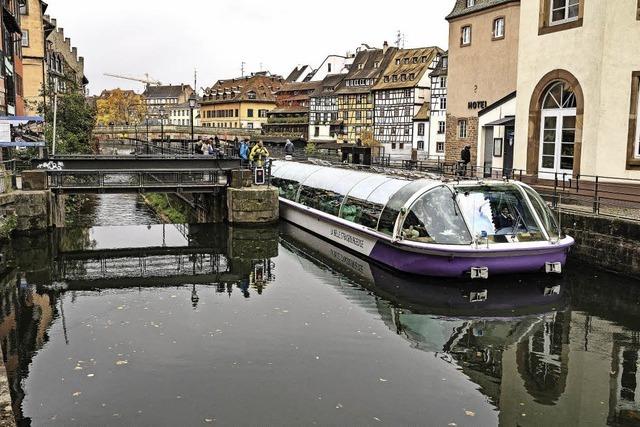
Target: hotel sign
{"points": [[477, 105]]}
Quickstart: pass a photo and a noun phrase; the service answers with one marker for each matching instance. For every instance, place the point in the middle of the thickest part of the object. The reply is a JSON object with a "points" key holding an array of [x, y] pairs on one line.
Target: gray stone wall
{"points": [[255, 205], [610, 243]]}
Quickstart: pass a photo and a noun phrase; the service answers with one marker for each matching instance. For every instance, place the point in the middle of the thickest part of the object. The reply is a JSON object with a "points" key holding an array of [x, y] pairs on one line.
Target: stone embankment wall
{"points": [[35, 210], [610, 243]]}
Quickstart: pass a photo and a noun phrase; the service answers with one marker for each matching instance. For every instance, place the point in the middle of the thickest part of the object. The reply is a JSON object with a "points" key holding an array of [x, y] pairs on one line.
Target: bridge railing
{"points": [[127, 179]]}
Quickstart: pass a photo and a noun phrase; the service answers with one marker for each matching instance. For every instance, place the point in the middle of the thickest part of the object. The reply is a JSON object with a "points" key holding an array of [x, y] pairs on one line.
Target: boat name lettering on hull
{"points": [[347, 238]]}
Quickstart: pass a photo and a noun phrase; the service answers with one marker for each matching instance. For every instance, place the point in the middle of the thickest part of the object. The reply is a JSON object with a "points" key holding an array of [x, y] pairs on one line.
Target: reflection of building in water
{"points": [[25, 317], [542, 358]]}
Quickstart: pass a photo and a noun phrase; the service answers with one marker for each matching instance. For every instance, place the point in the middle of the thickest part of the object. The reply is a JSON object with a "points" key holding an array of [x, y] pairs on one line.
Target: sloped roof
{"points": [[303, 86], [296, 73], [169, 91], [443, 66], [424, 113], [238, 89], [364, 67], [461, 9], [328, 85], [407, 62]]}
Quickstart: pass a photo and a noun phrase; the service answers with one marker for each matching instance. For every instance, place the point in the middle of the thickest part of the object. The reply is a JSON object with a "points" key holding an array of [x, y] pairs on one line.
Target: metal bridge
{"points": [[74, 174]]}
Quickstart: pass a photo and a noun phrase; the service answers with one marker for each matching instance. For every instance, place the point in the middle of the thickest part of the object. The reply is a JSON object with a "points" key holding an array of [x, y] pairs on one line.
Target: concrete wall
{"points": [[601, 54]]}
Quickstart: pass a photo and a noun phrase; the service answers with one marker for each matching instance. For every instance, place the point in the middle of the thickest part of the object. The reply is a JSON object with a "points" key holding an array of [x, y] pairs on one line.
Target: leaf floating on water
{"points": [[77, 393], [90, 375], [208, 420], [339, 405], [452, 424], [377, 419], [78, 368], [120, 308], [122, 362], [469, 413], [382, 380]]}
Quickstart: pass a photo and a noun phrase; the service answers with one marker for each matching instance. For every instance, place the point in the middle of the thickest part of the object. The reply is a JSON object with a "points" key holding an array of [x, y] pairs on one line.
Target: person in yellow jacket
{"points": [[258, 154]]}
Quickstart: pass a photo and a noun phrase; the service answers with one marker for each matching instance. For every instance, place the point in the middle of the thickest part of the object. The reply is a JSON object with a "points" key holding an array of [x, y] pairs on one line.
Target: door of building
{"points": [[557, 132], [507, 161], [488, 151]]}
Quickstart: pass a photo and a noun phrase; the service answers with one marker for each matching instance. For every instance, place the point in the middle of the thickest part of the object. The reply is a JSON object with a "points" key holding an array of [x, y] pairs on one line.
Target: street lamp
{"points": [[192, 104], [162, 130], [146, 119]]}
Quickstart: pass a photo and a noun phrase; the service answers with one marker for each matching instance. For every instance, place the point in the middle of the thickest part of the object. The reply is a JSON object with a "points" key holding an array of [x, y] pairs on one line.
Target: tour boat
{"points": [[432, 227]]}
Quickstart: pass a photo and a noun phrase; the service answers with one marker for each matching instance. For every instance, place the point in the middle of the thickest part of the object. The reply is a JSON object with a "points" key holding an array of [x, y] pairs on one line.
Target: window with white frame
{"points": [[440, 147], [462, 128], [563, 11], [420, 129], [471, 3], [498, 28], [465, 35], [443, 81], [25, 38], [442, 127], [443, 103]]}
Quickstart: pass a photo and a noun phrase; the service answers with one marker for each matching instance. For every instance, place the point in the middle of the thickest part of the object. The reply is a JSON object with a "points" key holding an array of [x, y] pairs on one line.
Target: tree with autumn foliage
{"points": [[119, 107]]}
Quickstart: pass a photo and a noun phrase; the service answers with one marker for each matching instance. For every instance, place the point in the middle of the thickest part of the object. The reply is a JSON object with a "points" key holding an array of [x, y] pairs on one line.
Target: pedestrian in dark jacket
{"points": [[289, 148], [465, 159]]}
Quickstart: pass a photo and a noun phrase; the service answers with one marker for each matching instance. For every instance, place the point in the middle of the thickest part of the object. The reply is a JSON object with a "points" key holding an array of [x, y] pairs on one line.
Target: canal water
{"points": [[120, 320]]}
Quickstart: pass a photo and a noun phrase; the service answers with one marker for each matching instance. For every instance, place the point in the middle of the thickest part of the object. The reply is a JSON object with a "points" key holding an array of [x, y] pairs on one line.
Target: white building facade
{"points": [[438, 111], [180, 115]]}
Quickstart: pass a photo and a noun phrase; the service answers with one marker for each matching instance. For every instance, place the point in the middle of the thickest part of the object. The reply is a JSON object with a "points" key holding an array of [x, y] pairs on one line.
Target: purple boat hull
{"points": [[455, 266]]}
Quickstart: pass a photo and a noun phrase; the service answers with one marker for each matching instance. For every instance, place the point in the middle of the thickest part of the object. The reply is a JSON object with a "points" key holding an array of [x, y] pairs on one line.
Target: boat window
{"points": [[544, 213], [361, 212], [396, 203], [435, 218], [287, 188], [499, 213], [322, 200], [364, 188]]}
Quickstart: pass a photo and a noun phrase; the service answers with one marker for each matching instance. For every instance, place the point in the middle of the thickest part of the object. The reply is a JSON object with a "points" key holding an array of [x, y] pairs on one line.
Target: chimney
{"points": [[385, 46]]}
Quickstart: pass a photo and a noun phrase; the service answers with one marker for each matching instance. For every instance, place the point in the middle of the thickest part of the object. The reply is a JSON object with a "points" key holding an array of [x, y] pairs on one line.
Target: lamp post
{"points": [[162, 130], [192, 105], [146, 119]]}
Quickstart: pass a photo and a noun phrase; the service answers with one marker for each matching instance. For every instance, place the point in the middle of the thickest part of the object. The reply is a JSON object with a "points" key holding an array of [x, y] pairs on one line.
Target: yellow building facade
{"points": [[33, 53], [240, 103], [243, 114], [356, 113]]}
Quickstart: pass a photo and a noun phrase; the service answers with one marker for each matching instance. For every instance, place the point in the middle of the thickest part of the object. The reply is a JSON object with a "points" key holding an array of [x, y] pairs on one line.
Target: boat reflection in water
{"points": [[532, 346]]}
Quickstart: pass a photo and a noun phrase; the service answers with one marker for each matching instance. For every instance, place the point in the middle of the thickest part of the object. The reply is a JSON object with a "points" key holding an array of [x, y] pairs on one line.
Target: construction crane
{"points": [[147, 80]]}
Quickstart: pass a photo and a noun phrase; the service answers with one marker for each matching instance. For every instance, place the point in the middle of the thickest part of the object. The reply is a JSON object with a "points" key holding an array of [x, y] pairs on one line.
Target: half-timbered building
{"points": [[400, 95], [324, 124], [438, 117], [355, 99]]}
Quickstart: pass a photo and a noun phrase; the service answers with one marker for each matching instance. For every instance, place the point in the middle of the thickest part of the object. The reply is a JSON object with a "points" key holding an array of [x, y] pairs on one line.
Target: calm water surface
{"points": [[120, 320]]}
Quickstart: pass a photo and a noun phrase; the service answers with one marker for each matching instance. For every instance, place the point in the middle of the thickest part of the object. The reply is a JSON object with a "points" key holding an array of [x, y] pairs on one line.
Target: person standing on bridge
{"points": [[288, 150], [243, 151], [259, 154]]}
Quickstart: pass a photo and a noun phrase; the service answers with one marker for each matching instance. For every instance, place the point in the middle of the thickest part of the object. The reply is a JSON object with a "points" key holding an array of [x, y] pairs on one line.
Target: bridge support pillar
{"points": [[252, 205], [213, 208]]}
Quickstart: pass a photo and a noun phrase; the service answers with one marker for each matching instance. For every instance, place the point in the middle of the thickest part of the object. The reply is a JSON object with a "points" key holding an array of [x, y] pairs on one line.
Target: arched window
{"points": [[559, 95], [558, 129]]}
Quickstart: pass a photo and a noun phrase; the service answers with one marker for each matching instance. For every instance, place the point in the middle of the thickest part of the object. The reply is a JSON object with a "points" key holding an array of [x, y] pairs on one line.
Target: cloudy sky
{"points": [[169, 39]]}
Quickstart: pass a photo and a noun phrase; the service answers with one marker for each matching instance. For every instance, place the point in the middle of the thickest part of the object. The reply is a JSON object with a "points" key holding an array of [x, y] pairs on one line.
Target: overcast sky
{"points": [[169, 39]]}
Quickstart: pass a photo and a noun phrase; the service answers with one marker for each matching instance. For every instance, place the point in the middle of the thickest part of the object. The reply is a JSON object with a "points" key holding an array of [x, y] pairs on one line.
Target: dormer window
{"points": [[376, 64], [394, 78], [360, 66], [251, 95], [398, 61], [412, 76], [406, 60], [415, 59], [423, 59], [403, 77], [471, 3], [386, 79]]}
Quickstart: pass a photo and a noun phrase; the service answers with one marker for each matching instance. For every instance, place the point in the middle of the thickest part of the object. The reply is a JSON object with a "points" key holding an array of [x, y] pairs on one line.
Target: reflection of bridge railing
{"points": [[127, 181]]}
